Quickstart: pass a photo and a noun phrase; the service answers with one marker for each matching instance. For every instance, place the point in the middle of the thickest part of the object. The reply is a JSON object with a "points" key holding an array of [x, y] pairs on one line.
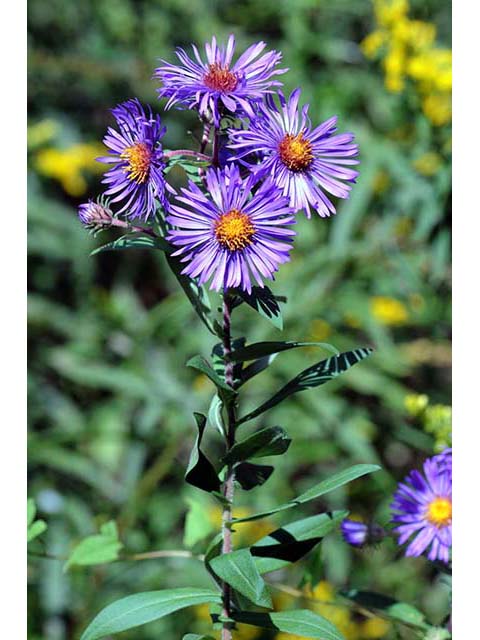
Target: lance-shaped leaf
{"points": [[292, 541], [200, 471], [250, 475], [201, 364], [239, 570], [97, 549], [141, 608], [197, 294], [331, 483], [300, 622], [256, 367], [271, 441], [387, 607], [262, 349], [314, 376], [265, 303], [134, 241]]}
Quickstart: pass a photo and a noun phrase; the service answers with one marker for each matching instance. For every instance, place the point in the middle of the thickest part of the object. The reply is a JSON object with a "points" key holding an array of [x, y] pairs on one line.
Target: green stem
{"points": [[229, 481]]}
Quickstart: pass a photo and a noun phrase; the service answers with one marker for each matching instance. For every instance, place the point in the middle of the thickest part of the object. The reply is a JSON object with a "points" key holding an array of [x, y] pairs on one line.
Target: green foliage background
{"points": [[110, 400]]}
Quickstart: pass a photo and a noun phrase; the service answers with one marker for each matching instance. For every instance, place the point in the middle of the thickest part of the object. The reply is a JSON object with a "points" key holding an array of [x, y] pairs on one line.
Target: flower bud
{"points": [[359, 534], [95, 215]]}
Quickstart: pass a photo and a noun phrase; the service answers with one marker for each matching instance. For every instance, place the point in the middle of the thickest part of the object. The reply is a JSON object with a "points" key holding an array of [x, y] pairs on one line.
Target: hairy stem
{"points": [[187, 152], [228, 484]]}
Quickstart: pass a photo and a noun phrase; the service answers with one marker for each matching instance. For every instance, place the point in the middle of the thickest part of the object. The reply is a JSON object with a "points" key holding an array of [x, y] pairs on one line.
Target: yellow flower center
{"points": [[139, 157], [295, 152], [220, 78], [234, 230], [439, 512]]}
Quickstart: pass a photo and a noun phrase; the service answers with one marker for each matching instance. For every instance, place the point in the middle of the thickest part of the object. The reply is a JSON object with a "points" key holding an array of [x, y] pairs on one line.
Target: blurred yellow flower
{"points": [[244, 533], [320, 330], [381, 181], [351, 320], [428, 164], [337, 615], [416, 403], [242, 632], [409, 51], [438, 108], [374, 628], [200, 383], [373, 43], [388, 311], [68, 165]]}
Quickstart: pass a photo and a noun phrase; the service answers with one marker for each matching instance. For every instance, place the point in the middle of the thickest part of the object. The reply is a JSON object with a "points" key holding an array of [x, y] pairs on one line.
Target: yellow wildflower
{"points": [[389, 12], [372, 43], [374, 628], [415, 403], [338, 615], [438, 108], [68, 165], [428, 164], [388, 311]]}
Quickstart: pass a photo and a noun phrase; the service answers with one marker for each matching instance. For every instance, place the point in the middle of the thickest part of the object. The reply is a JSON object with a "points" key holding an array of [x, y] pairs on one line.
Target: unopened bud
{"points": [[95, 215], [359, 534]]}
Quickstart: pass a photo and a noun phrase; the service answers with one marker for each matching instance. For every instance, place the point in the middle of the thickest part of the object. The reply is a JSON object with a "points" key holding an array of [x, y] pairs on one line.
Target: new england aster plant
{"points": [[260, 164]]}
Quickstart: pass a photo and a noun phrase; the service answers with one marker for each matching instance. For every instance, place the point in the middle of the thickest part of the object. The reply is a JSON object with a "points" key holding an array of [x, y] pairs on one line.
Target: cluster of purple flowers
{"points": [[233, 227], [422, 512]]}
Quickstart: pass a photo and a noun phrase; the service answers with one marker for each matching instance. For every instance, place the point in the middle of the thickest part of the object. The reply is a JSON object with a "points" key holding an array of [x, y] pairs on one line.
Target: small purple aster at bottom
{"points": [[358, 534], [423, 509], [305, 163], [137, 178], [238, 233], [217, 86]]}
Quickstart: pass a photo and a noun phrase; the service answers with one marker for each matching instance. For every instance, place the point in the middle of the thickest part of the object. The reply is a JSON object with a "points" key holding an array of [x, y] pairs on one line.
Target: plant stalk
{"points": [[228, 484]]}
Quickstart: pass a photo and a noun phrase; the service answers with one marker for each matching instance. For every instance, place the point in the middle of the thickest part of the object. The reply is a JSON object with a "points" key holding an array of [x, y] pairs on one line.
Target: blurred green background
{"points": [[110, 400]]}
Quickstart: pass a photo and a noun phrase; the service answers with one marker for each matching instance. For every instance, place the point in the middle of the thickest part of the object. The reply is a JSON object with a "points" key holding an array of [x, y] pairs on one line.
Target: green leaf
{"points": [[335, 481], [200, 472], [198, 524], [261, 349], [31, 511], [387, 606], [97, 549], [134, 241], [271, 441], [141, 608], [201, 364], [265, 303], [195, 636], [314, 376], [36, 529], [215, 414], [238, 569], [292, 541], [196, 293], [250, 475], [256, 367], [301, 622]]}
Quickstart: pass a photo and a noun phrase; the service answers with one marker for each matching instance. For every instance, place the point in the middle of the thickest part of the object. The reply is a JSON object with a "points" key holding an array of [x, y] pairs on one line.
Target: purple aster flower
{"points": [[423, 509], [237, 233], [136, 153], [305, 163], [444, 460], [215, 85], [358, 534]]}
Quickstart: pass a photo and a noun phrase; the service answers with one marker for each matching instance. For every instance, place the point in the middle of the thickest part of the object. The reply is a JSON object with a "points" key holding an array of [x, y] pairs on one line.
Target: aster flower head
{"points": [[215, 85], [236, 234], [136, 178], [423, 509], [358, 534], [307, 164]]}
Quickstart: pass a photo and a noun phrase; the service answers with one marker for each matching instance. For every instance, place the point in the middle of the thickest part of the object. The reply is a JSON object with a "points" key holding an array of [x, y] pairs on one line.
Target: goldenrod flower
{"points": [[388, 311]]}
